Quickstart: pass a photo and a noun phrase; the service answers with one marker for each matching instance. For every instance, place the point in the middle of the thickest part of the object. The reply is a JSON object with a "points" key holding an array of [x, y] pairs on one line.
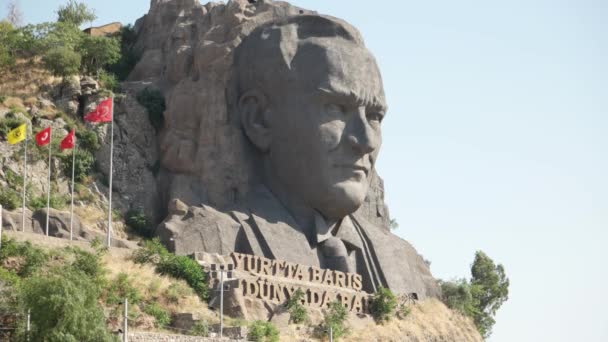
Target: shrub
{"points": [[161, 316], [108, 81], [62, 61], [297, 311], [154, 101], [32, 258], [335, 319], [9, 199], [200, 329], [183, 267], [403, 311], [64, 307], [177, 291], [83, 165], [137, 221], [120, 288], [260, 331], [87, 139], [9, 297], [88, 263], [129, 56], [56, 201], [151, 252], [383, 304], [180, 267], [8, 124], [13, 179]]}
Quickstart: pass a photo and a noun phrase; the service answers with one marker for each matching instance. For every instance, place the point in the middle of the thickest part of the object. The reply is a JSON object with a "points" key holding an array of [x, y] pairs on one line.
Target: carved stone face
{"points": [[325, 126]]}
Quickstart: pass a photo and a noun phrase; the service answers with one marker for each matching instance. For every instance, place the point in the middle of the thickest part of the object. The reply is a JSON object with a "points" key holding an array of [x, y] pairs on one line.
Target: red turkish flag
{"points": [[43, 137], [68, 141], [102, 113]]}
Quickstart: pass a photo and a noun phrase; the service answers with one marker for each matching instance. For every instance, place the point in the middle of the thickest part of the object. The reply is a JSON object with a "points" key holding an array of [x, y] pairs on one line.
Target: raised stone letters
{"points": [[273, 281]]}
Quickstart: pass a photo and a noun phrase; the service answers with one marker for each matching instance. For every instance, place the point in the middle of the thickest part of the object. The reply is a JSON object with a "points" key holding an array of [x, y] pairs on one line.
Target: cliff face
{"points": [[188, 53]]}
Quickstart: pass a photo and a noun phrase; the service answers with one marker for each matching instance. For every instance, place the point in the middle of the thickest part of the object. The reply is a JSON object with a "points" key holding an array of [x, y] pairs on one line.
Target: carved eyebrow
{"points": [[368, 101]]}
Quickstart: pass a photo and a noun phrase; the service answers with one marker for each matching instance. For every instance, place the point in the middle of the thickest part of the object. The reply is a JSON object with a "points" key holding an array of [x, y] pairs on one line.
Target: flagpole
{"points": [[24, 179], [48, 194], [72, 203], [109, 240], [0, 227]]}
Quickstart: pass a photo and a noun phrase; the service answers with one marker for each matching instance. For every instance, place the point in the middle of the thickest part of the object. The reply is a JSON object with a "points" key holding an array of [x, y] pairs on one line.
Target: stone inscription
{"points": [[280, 279]]}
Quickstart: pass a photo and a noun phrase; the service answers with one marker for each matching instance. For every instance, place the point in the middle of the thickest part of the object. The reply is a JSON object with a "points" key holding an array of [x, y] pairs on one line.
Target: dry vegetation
{"points": [[173, 295], [429, 321], [26, 79]]}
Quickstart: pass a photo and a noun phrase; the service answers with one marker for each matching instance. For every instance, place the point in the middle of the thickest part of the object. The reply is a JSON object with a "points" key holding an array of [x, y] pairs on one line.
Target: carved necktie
{"points": [[333, 248], [336, 254]]}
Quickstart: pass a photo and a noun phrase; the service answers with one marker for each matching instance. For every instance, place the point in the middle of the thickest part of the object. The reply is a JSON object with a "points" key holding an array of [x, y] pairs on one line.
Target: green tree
{"points": [[489, 289], [457, 296], [62, 61], [7, 44], [480, 297], [75, 13], [30, 40], [60, 35], [98, 52], [64, 308]]}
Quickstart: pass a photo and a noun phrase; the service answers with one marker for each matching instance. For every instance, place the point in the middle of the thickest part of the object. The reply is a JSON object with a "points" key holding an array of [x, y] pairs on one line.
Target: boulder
{"points": [[59, 224]]}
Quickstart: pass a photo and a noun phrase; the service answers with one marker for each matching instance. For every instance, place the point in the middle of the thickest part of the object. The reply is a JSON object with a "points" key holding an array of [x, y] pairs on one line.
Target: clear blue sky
{"points": [[496, 140]]}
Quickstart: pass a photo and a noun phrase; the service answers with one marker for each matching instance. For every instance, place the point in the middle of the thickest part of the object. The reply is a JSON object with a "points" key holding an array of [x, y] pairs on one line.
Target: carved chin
{"points": [[344, 199]]}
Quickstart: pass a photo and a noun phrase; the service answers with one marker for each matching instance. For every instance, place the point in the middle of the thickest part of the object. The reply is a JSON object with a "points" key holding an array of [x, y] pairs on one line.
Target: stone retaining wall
{"points": [[158, 337]]}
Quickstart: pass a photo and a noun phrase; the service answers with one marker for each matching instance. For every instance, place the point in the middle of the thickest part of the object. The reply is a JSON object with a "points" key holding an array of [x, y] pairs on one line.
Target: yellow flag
{"points": [[17, 134]]}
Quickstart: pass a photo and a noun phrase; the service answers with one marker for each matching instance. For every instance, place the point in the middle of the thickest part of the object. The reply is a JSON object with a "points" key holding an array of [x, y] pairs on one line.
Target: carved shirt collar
{"points": [[343, 229]]}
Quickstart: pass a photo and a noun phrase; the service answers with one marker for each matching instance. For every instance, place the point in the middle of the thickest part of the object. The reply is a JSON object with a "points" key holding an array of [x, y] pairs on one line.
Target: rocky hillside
{"points": [[178, 309], [61, 103]]}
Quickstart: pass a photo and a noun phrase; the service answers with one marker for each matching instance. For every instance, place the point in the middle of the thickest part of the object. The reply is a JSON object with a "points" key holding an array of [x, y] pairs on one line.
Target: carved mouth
{"points": [[355, 167]]}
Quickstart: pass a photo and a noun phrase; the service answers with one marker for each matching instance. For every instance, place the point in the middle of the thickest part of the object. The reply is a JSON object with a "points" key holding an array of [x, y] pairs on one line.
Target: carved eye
{"points": [[335, 108], [374, 117]]}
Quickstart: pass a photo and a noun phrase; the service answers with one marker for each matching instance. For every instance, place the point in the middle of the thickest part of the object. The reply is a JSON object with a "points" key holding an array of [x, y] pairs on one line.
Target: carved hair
{"points": [[263, 60]]}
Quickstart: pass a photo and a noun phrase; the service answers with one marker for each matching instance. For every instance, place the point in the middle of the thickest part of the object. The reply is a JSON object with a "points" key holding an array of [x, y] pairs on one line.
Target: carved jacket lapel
{"points": [[276, 232]]}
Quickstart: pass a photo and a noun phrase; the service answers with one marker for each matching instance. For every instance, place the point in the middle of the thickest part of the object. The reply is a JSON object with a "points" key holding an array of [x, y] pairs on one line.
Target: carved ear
{"points": [[254, 118]]}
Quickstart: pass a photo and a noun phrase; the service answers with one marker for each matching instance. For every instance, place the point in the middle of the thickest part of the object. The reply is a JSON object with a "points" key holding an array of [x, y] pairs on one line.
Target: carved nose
{"points": [[363, 138]]}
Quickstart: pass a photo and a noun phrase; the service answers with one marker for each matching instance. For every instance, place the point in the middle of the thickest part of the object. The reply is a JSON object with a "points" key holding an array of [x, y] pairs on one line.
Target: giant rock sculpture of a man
{"points": [[310, 100]]}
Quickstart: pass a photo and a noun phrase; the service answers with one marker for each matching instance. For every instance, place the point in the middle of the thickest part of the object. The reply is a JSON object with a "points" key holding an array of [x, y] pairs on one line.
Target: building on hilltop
{"points": [[104, 30]]}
